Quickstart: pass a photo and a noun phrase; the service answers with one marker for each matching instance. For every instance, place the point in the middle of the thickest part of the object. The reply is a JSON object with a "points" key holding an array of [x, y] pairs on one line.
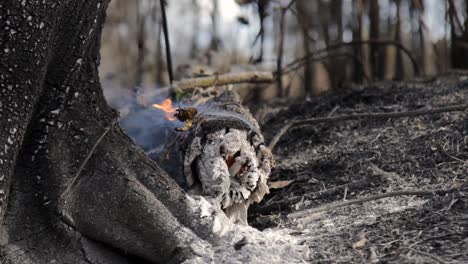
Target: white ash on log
{"points": [[222, 157]]}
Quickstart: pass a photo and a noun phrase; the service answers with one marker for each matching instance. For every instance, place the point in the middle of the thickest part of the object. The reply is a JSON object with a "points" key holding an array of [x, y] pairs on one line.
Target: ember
{"points": [[167, 107]]}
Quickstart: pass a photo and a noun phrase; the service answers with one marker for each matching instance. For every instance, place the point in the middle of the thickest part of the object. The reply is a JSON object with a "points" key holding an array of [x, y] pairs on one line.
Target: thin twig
{"points": [[362, 42], [452, 108], [311, 58], [332, 112], [333, 206], [437, 259], [317, 120], [85, 161], [278, 135], [290, 4], [167, 43], [372, 179]]}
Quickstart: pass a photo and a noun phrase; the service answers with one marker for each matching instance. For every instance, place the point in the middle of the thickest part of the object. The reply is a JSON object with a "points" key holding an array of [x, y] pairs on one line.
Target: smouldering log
{"points": [[222, 157]]}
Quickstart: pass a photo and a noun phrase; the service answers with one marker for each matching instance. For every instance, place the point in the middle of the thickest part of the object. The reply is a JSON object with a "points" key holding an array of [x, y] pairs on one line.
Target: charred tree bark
{"points": [[74, 188]]}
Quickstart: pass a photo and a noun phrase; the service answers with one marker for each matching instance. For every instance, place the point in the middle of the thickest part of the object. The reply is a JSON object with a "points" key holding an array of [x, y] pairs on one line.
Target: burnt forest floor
{"points": [[331, 162]]}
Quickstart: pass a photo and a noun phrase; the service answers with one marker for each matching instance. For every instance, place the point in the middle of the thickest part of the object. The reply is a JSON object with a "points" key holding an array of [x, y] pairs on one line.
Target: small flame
{"points": [[167, 107]]}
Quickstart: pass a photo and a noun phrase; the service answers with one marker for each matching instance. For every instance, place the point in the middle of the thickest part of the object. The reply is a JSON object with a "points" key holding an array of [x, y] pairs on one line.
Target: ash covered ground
{"points": [[327, 163], [331, 162]]}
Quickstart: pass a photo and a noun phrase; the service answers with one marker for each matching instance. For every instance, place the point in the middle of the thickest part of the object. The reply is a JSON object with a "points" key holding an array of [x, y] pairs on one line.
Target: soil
{"points": [[332, 162]]}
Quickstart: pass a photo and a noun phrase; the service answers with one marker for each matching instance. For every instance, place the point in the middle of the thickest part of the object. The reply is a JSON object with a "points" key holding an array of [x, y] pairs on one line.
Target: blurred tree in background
{"points": [[314, 45]]}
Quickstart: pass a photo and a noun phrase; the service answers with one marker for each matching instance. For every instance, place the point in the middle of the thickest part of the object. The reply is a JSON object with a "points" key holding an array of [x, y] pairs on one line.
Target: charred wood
{"points": [[222, 156]]}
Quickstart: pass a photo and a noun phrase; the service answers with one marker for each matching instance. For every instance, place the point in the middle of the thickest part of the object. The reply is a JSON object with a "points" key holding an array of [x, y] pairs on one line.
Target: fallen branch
{"points": [[223, 79], [375, 176], [332, 119], [316, 195], [278, 135], [437, 259], [333, 206]]}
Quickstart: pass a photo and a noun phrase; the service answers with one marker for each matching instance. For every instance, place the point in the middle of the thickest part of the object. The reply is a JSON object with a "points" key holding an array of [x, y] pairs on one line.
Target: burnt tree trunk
{"points": [[358, 70], [459, 37], [140, 44], [215, 40], [73, 186], [338, 66], [159, 61], [305, 13], [374, 22], [194, 49], [399, 65]]}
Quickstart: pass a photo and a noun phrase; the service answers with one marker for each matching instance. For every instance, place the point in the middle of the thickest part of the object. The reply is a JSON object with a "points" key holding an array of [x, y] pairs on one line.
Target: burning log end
{"points": [[229, 171], [224, 157]]}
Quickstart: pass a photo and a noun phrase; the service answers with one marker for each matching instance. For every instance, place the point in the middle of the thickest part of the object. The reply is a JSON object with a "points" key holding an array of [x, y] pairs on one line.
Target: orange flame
{"points": [[167, 107]]}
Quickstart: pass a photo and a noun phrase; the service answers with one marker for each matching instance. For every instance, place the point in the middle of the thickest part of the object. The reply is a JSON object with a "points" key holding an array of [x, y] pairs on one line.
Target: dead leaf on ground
{"points": [[279, 184], [360, 243]]}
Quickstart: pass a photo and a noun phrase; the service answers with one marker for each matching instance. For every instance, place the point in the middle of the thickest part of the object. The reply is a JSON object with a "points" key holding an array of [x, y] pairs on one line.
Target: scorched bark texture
{"points": [[74, 188]]}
